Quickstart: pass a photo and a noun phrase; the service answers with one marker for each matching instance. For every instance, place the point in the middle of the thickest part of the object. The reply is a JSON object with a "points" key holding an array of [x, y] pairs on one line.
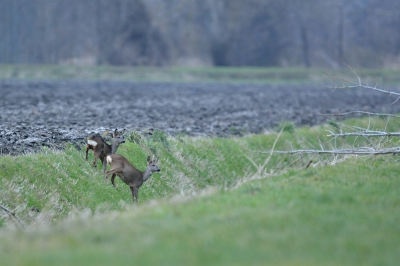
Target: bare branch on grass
{"points": [[345, 84], [261, 167], [362, 112], [12, 214], [357, 151], [366, 133], [345, 131]]}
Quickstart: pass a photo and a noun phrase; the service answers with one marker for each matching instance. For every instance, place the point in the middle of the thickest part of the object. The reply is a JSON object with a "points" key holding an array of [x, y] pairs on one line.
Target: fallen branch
{"points": [[361, 112], [359, 151], [366, 133], [13, 215]]}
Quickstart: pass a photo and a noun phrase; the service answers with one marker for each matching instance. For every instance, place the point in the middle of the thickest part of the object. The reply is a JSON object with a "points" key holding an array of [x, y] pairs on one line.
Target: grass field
{"points": [[199, 74], [212, 204]]}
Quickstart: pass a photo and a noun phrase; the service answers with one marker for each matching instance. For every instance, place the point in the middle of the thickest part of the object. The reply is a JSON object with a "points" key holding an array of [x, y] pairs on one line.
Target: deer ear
{"points": [[115, 133], [148, 159]]}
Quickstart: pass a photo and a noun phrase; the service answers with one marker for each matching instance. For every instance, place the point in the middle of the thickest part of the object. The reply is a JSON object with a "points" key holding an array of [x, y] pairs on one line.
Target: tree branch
{"points": [[366, 86], [366, 133], [13, 215], [361, 112], [358, 151], [351, 131]]}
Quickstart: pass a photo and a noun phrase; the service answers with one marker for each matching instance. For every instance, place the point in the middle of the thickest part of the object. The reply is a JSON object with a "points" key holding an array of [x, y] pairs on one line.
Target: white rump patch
{"points": [[109, 159], [92, 142]]}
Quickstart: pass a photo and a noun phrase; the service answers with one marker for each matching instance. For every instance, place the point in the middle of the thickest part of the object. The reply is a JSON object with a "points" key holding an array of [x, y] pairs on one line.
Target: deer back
{"points": [[96, 142], [125, 170], [100, 146]]}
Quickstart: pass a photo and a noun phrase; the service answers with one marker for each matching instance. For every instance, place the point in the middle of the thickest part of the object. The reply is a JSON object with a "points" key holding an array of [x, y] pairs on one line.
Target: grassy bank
{"points": [[195, 74], [211, 204]]}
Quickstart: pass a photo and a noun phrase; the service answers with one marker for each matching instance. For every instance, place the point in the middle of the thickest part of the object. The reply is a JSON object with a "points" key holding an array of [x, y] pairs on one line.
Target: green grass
{"points": [[345, 215], [210, 205], [196, 74]]}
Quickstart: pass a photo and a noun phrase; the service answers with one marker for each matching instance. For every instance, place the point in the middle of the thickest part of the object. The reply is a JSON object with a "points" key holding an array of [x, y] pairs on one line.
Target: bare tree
{"points": [[306, 33]]}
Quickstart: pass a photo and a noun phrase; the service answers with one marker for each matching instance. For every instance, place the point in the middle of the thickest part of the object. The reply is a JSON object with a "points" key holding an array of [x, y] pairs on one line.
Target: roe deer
{"points": [[101, 148], [131, 176]]}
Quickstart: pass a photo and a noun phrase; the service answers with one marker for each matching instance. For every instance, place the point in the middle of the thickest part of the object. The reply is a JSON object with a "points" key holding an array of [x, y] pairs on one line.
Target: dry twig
{"points": [[358, 151], [12, 214]]}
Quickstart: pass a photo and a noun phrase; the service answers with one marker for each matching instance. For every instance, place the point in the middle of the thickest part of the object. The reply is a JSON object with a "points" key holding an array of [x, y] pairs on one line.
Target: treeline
{"points": [[309, 33]]}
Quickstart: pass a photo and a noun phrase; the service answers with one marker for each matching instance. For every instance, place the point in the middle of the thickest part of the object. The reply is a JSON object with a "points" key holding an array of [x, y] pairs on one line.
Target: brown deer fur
{"points": [[131, 176], [101, 148]]}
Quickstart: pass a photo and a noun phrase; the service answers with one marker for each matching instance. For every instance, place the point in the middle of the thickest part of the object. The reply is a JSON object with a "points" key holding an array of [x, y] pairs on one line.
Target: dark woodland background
{"points": [[304, 33]]}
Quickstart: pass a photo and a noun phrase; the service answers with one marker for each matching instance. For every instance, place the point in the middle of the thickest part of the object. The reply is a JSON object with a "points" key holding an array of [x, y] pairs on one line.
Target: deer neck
{"points": [[113, 147], [146, 174]]}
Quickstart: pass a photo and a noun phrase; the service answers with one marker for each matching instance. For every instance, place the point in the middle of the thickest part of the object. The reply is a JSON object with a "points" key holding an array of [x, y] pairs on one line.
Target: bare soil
{"points": [[49, 113]]}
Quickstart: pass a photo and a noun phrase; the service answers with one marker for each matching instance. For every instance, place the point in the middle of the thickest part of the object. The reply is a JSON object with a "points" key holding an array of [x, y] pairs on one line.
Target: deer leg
{"points": [[112, 179], [134, 192], [104, 164], [96, 157], [113, 172], [106, 176], [87, 150]]}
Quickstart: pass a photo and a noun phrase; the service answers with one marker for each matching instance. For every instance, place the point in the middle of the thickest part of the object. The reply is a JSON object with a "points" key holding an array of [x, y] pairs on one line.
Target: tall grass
{"points": [[57, 182]]}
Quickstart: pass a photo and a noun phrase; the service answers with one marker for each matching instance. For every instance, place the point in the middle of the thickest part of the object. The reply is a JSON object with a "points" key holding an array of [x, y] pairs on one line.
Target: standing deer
{"points": [[131, 176], [101, 148]]}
